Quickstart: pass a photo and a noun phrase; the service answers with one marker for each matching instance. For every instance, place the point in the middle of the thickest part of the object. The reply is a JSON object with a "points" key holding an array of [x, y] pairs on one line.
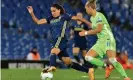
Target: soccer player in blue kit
{"points": [[80, 42], [59, 20]]}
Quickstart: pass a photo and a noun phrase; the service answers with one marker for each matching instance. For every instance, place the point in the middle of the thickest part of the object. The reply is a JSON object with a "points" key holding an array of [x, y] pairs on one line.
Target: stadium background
{"points": [[19, 33]]}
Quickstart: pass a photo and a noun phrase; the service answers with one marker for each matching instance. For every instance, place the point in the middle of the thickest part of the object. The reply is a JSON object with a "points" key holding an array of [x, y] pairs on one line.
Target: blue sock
{"points": [[53, 59], [78, 67]]}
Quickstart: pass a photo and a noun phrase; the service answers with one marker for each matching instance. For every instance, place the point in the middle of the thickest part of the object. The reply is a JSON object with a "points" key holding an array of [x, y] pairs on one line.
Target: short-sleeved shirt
{"points": [[106, 32], [57, 25]]}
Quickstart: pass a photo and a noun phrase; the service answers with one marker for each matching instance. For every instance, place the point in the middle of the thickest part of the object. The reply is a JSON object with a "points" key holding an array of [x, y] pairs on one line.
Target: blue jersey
{"points": [[58, 25], [80, 41], [79, 27]]}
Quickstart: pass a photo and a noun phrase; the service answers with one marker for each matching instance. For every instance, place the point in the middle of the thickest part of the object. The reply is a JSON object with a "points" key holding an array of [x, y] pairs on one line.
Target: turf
{"points": [[60, 74]]}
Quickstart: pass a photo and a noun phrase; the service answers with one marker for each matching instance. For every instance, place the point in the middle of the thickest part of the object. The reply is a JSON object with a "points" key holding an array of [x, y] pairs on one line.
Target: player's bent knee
{"points": [[75, 51], [67, 61], [112, 60], [88, 58]]}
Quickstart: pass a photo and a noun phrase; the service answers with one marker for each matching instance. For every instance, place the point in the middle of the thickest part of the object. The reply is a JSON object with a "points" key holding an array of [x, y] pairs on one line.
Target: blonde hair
{"points": [[91, 3]]}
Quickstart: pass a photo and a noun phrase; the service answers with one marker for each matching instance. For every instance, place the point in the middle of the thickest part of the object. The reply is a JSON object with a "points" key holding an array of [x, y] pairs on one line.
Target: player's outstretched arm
{"points": [[35, 19], [92, 32], [85, 21]]}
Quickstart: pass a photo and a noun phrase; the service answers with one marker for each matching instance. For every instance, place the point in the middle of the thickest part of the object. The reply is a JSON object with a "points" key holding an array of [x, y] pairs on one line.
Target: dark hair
{"points": [[92, 3], [57, 6], [34, 47]]}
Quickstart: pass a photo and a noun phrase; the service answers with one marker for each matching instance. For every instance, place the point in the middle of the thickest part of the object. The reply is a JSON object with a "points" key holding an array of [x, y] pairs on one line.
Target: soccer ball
{"points": [[46, 76]]}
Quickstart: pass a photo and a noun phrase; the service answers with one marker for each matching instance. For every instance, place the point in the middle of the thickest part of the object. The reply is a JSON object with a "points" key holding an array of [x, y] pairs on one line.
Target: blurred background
{"points": [[21, 37], [19, 34]]}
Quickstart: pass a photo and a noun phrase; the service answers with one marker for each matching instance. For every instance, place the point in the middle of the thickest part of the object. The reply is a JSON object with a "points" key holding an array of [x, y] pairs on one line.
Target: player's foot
{"points": [[52, 68], [108, 70], [127, 79]]}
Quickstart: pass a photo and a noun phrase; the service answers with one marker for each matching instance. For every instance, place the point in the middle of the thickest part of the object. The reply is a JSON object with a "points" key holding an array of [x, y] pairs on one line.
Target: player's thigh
{"points": [[97, 50], [92, 53], [76, 50], [110, 49], [111, 54], [66, 60], [64, 56]]}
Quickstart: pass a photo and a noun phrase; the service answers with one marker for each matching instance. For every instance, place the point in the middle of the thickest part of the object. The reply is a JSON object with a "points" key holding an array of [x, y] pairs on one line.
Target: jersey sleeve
{"points": [[48, 19], [67, 17], [99, 19]]}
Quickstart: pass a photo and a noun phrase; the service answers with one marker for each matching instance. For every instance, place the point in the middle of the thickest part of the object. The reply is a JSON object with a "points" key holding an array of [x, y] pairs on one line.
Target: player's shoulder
{"points": [[50, 17], [99, 13], [99, 17], [66, 16]]}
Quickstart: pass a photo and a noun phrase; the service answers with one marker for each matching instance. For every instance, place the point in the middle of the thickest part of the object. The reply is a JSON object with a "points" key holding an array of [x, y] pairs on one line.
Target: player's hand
{"points": [[79, 18], [55, 51], [75, 18], [82, 33], [30, 9]]}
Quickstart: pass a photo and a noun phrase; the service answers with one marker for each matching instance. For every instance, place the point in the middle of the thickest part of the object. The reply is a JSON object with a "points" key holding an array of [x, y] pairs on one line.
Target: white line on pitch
{"points": [[103, 77]]}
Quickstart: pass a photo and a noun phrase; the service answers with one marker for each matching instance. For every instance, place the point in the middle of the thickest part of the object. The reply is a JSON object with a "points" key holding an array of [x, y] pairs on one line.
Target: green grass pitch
{"points": [[60, 74]]}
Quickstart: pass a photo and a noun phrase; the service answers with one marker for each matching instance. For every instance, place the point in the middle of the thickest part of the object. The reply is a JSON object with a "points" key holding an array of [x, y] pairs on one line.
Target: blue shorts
{"points": [[80, 42], [63, 47]]}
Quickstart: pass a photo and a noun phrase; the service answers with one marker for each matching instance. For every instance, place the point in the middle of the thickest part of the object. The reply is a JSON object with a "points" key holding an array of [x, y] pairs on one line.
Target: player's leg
{"points": [[83, 55], [110, 49], [108, 71], [67, 61], [90, 56], [75, 54], [87, 64], [112, 58], [82, 43], [62, 54], [78, 67], [54, 53]]}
